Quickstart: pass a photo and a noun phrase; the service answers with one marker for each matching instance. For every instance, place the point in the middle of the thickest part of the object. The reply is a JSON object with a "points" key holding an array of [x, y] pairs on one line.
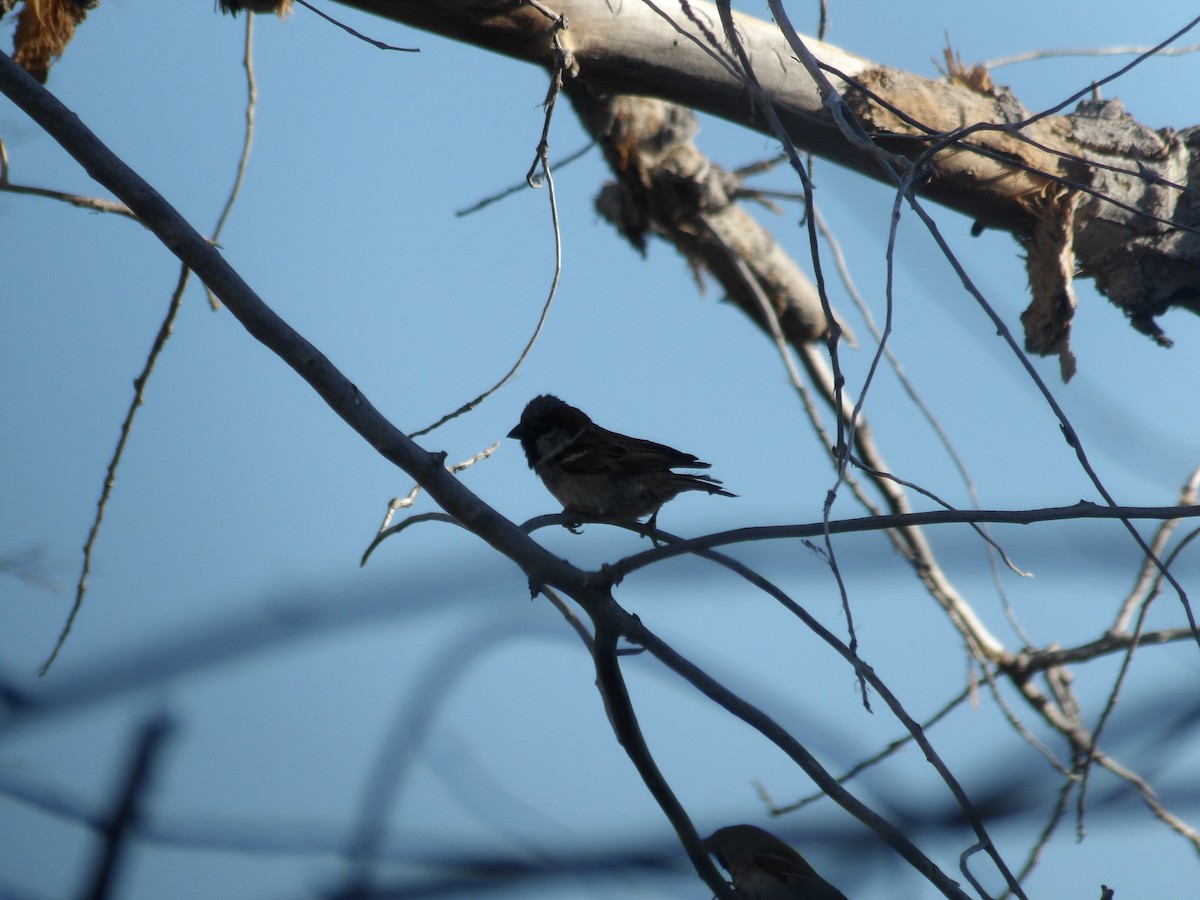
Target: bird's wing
{"points": [[600, 451], [794, 871]]}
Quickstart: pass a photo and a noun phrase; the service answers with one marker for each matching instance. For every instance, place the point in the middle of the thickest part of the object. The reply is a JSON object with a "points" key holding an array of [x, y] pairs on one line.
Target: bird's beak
{"points": [[516, 432]]}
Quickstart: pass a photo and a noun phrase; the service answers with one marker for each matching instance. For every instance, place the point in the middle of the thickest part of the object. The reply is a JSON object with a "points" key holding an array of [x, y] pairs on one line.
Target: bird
{"points": [[600, 474], [763, 867]]}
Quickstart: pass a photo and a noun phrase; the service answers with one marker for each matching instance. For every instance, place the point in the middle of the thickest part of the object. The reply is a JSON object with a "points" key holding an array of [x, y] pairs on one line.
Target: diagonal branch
{"points": [[591, 590]]}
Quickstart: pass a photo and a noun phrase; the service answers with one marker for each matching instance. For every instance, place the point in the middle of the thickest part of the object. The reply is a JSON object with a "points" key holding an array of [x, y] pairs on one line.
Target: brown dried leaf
{"points": [[44, 28], [977, 77], [1051, 268]]}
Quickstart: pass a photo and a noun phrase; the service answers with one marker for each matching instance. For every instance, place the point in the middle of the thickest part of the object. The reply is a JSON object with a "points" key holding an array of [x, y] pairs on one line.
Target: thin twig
{"points": [[521, 185], [925, 492], [1148, 575], [1068, 430], [772, 320], [386, 529], [398, 503], [1052, 823], [1033, 55], [1107, 79], [417, 519], [96, 204], [564, 64], [923, 408], [1126, 663], [164, 333], [362, 37], [760, 98], [110, 477], [247, 141], [1018, 725], [708, 42], [856, 770], [1150, 798]]}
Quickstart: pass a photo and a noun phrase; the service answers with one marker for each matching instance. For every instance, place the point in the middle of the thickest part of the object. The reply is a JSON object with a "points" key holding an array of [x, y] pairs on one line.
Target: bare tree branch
{"points": [[127, 807], [1002, 179], [591, 590]]}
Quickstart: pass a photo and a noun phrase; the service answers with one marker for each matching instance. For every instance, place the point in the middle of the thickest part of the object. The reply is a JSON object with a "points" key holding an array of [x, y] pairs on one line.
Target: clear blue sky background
{"points": [[243, 504]]}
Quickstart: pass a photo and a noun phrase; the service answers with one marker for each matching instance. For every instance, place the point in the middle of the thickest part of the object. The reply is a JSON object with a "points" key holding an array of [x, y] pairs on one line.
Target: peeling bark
{"points": [[667, 187], [1008, 176]]}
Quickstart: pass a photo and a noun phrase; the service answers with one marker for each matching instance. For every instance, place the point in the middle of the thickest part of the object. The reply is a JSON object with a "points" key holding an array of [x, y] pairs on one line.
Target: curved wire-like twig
{"points": [[160, 341], [564, 64], [403, 525], [518, 186], [110, 475]]}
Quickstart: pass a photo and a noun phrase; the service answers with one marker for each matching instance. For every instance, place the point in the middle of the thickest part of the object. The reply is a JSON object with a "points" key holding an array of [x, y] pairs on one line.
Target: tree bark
{"points": [[1092, 193]]}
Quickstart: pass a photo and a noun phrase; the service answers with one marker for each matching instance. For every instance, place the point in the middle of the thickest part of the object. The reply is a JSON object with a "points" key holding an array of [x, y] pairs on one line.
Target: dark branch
{"points": [[1081, 510]]}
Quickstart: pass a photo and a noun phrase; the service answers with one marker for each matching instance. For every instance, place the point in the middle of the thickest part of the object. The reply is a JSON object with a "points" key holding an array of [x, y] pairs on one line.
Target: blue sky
{"points": [[243, 504]]}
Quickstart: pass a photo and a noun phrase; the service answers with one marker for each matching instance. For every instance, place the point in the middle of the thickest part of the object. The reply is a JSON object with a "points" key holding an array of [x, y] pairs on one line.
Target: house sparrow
{"points": [[599, 474], [763, 867]]}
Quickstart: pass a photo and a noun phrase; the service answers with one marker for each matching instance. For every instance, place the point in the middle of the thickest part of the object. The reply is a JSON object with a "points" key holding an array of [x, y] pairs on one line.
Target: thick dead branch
{"points": [[666, 186], [1131, 229]]}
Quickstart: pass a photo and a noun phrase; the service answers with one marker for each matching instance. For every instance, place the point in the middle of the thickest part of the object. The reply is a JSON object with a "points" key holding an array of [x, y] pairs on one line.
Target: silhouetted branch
{"points": [[1081, 510], [127, 806], [623, 719]]}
